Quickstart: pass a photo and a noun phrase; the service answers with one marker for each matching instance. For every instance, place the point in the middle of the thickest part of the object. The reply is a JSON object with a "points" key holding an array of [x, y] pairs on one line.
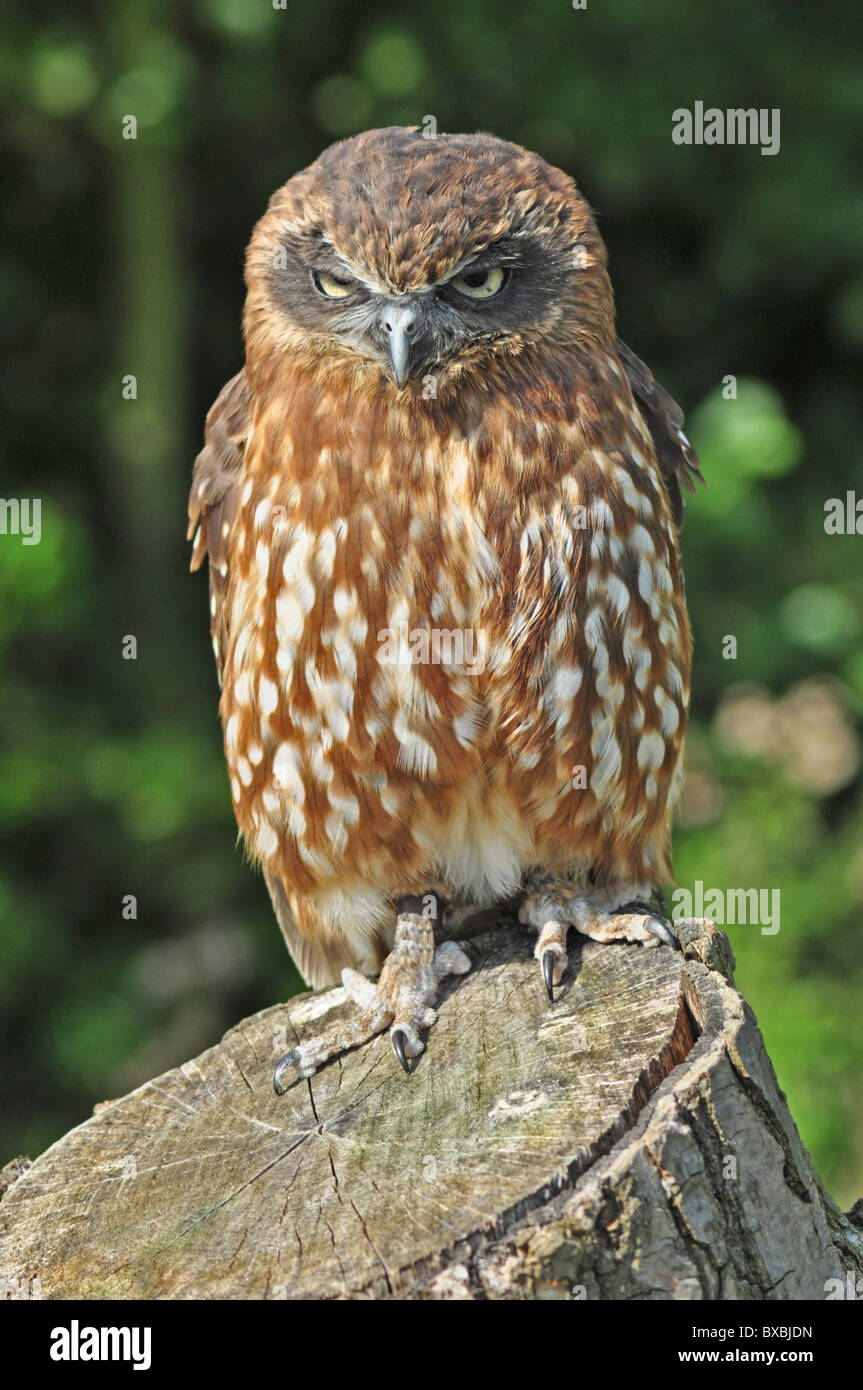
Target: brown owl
{"points": [[441, 504]]}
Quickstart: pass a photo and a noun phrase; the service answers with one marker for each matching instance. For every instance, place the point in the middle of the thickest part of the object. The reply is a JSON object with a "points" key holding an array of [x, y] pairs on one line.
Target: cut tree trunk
{"points": [[628, 1141]]}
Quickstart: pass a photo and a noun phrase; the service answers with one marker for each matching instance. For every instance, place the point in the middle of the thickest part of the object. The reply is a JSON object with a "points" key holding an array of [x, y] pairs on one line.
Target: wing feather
{"points": [[320, 962], [213, 499], [213, 502], [678, 462]]}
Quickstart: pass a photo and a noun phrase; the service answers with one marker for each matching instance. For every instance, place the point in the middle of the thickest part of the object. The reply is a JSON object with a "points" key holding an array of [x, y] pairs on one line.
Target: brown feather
{"points": [[678, 462], [213, 496]]}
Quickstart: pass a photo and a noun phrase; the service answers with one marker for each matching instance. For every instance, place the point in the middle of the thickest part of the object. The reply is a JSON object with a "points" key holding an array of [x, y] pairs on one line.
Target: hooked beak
{"points": [[400, 323]]}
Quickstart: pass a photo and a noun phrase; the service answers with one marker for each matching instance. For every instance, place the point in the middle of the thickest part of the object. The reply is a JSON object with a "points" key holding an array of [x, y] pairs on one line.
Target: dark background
{"points": [[126, 257]]}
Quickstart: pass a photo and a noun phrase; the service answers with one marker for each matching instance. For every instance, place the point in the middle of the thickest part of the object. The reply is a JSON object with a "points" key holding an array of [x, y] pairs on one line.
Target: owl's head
{"points": [[407, 254]]}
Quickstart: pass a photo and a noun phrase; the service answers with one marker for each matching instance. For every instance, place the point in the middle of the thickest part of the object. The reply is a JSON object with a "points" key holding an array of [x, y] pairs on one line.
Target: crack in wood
{"points": [[534, 1152]]}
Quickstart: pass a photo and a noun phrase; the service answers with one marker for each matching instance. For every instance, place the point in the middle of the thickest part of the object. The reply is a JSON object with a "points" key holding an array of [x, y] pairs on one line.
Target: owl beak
{"points": [[400, 322]]}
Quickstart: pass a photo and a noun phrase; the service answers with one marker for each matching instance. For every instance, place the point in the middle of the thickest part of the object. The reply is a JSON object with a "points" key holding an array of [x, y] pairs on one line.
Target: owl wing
{"points": [[678, 462], [319, 962], [213, 499], [213, 502]]}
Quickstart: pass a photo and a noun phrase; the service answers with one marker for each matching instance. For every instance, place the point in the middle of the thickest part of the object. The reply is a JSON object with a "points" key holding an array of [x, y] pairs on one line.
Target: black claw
{"points": [[659, 927], [283, 1065], [549, 961], [397, 1038]]}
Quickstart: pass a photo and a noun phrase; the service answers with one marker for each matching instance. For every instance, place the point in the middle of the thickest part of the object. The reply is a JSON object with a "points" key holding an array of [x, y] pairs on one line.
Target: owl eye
{"points": [[333, 286], [480, 284]]}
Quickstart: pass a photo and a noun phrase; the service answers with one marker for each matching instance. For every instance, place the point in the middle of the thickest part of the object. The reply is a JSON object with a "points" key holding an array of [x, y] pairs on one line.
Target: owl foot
{"points": [[401, 1000], [552, 906], [658, 924]]}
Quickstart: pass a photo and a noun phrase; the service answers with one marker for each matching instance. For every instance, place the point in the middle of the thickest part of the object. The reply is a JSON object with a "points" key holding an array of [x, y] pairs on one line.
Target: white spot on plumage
{"points": [[565, 684], [287, 778], [266, 841], [289, 620], [326, 553], [466, 727], [357, 629], [344, 602], [642, 541], [336, 831], [673, 679], [601, 516], [321, 770], [618, 594], [415, 753], [662, 578], [594, 629], [346, 804], [345, 657], [669, 716], [268, 695], [604, 747], [338, 722], [645, 582], [609, 691], [651, 751]]}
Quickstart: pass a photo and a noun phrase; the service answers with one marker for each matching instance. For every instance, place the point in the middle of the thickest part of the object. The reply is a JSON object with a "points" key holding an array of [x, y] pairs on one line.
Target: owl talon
{"points": [[284, 1065], [658, 925], [401, 1000], [397, 1038], [662, 929], [549, 961], [552, 905]]}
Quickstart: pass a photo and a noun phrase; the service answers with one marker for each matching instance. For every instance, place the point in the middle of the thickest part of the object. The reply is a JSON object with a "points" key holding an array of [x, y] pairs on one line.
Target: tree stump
{"points": [[628, 1141]]}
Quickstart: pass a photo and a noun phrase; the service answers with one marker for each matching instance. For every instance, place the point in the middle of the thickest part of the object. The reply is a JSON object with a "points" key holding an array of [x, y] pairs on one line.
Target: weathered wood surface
{"points": [[629, 1141]]}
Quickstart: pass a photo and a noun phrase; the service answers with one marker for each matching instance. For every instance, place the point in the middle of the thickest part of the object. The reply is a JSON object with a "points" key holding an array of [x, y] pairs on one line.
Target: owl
{"points": [[441, 507]]}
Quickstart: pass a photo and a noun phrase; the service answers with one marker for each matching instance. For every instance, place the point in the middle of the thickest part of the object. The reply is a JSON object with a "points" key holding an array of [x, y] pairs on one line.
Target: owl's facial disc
{"points": [[409, 332], [509, 288]]}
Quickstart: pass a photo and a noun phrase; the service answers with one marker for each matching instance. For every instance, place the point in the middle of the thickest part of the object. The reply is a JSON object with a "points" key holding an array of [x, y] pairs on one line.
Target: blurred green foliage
{"points": [[125, 256]]}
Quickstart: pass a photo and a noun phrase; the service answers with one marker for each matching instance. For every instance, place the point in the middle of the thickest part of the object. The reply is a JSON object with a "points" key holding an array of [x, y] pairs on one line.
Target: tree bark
{"points": [[628, 1141]]}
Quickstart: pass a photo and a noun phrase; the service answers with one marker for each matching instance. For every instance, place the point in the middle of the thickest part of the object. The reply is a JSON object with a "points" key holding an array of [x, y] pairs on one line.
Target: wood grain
{"points": [[474, 1177]]}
